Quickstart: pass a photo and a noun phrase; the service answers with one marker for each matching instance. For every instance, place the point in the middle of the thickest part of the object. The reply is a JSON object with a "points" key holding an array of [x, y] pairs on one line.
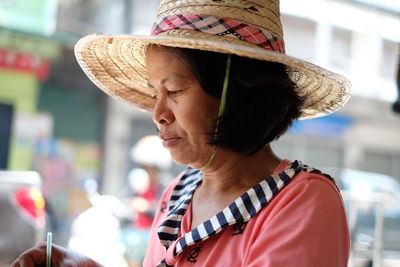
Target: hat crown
{"points": [[262, 14]]}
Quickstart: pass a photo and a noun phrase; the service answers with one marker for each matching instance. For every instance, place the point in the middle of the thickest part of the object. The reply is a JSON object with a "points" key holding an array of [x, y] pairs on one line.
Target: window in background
{"points": [[341, 48], [382, 162], [388, 59], [320, 153], [299, 37]]}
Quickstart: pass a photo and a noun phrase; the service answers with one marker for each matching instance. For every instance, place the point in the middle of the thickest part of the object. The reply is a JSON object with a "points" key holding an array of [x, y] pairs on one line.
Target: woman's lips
{"points": [[169, 140]]}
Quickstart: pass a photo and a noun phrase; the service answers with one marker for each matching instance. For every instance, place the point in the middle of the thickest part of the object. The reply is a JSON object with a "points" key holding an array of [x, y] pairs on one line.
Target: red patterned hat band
{"points": [[221, 27]]}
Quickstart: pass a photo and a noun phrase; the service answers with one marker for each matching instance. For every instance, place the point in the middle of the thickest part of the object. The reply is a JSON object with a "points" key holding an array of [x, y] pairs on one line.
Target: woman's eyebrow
{"points": [[163, 81]]}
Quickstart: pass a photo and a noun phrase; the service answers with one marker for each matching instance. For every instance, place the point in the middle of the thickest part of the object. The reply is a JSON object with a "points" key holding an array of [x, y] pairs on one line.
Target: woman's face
{"points": [[184, 112]]}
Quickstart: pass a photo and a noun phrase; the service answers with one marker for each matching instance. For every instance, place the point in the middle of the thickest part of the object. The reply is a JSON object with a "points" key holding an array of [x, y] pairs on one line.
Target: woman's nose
{"points": [[162, 114]]}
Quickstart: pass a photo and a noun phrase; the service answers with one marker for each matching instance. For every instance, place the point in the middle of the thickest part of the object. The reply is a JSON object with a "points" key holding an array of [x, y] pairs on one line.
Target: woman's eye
{"points": [[154, 97], [174, 92]]}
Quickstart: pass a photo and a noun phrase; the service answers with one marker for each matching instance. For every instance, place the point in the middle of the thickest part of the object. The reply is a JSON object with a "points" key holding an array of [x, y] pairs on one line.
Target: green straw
{"points": [[48, 249]]}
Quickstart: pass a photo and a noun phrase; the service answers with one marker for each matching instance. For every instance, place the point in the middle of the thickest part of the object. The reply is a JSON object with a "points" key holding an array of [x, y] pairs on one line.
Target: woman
{"points": [[220, 88]]}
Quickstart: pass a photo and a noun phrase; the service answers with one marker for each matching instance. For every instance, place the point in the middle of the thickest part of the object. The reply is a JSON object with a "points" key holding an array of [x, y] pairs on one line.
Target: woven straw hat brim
{"points": [[116, 64]]}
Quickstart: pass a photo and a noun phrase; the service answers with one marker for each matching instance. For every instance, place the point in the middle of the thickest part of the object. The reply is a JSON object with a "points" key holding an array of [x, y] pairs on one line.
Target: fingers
{"points": [[35, 256], [60, 256]]}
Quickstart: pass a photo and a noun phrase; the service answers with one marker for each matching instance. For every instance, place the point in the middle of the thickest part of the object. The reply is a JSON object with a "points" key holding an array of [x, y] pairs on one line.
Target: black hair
{"points": [[261, 100]]}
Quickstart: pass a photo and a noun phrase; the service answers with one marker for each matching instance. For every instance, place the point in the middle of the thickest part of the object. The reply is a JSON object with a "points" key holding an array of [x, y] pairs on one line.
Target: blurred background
{"points": [[69, 153]]}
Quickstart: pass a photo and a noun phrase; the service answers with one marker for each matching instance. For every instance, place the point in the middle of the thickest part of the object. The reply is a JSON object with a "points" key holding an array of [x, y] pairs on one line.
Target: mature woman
{"points": [[220, 88]]}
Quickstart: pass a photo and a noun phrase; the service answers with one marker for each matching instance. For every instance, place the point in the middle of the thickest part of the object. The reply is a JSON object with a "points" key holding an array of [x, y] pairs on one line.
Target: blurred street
{"points": [[100, 169]]}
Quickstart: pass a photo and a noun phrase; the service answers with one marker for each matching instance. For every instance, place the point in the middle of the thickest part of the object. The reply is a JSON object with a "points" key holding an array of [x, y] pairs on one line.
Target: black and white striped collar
{"points": [[241, 210]]}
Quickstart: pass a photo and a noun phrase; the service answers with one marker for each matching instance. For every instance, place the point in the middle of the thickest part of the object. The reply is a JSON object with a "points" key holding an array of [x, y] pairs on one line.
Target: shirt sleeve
{"points": [[307, 227], [155, 251]]}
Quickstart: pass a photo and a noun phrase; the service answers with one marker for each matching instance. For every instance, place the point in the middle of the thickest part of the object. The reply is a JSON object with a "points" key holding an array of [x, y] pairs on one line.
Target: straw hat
{"points": [[116, 64]]}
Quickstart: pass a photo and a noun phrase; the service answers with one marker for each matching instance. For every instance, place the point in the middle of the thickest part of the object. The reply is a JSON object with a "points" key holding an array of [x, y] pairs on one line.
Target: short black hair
{"points": [[261, 101]]}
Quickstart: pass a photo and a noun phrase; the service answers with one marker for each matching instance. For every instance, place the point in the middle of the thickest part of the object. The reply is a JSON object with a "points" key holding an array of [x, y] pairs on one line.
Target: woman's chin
{"points": [[178, 158], [182, 159], [192, 157]]}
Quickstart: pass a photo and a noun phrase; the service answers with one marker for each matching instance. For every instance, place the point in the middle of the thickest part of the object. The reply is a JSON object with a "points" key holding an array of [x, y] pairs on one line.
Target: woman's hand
{"points": [[60, 257]]}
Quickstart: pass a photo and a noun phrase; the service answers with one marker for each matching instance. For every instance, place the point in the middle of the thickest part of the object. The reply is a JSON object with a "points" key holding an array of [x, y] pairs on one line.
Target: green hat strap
{"points": [[221, 108]]}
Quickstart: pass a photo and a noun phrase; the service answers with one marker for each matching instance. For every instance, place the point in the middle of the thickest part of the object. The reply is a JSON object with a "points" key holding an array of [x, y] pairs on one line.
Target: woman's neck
{"points": [[232, 172], [227, 178]]}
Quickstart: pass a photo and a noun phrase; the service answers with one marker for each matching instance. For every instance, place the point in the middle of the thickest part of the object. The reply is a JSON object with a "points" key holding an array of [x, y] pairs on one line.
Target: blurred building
{"points": [[358, 39]]}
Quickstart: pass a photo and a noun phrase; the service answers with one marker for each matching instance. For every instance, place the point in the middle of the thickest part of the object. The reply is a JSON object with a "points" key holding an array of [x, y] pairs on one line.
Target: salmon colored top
{"points": [[302, 224]]}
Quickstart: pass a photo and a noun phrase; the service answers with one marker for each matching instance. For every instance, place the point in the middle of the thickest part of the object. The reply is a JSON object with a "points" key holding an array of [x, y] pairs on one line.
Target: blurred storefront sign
{"points": [[32, 16], [65, 165], [27, 129], [24, 62], [20, 89], [30, 44], [331, 126]]}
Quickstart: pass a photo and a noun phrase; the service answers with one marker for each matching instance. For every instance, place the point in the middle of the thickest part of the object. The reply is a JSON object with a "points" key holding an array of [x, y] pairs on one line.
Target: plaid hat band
{"points": [[221, 27], [252, 29]]}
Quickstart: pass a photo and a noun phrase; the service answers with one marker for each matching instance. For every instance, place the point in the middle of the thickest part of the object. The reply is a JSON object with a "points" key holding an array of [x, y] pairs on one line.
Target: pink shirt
{"points": [[303, 225]]}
